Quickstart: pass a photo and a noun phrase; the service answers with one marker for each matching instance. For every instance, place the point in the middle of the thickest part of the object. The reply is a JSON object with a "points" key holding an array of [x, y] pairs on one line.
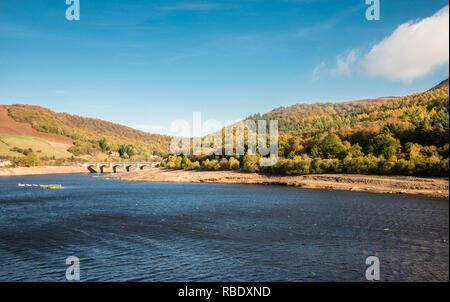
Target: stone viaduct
{"points": [[101, 167]]}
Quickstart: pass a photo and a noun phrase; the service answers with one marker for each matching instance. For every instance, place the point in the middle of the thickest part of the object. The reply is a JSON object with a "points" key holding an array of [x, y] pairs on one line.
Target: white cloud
{"points": [[413, 50], [344, 66], [317, 71]]}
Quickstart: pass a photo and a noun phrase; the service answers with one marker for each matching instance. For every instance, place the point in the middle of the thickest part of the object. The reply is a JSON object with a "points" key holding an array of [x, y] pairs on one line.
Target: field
{"points": [[41, 146]]}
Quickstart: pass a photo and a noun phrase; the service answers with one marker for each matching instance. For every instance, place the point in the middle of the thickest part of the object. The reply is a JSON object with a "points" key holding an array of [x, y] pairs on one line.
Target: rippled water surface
{"points": [[146, 231]]}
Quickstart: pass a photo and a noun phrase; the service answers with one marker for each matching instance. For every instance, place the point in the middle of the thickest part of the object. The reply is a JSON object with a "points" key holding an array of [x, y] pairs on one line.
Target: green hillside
{"points": [[44, 148]]}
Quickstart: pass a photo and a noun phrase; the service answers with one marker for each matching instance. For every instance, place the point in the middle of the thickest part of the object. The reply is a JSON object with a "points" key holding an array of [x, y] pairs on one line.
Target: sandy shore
{"points": [[41, 170], [436, 187]]}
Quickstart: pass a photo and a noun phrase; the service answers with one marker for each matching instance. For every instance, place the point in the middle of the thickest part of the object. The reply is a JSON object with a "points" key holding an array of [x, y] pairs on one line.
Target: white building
{"points": [[5, 162]]}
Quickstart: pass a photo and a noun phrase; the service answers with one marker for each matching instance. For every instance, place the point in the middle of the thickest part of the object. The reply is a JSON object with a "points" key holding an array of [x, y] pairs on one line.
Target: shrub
{"points": [[251, 163], [224, 164], [326, 166], [30, 160], [233, 164], [194, 166]]}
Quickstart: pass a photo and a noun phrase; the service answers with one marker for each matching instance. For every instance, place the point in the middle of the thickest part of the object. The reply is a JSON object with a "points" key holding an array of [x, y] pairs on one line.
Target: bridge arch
{"points": [[116, 167], [92, 168]]}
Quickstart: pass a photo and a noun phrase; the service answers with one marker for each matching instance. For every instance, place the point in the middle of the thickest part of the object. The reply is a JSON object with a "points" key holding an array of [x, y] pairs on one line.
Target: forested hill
{"points": [[395, 135], [427, 106], [407, 135], [90, 134], [418, 118]]}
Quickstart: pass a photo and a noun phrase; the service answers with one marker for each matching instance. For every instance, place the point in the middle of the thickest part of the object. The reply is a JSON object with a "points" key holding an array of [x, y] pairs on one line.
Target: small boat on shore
{"points": [[56, 186]]}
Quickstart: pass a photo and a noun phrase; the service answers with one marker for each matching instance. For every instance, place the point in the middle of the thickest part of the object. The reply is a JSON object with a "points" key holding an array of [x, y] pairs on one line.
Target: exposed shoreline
{"points": [[44, 170], [433, 187]]}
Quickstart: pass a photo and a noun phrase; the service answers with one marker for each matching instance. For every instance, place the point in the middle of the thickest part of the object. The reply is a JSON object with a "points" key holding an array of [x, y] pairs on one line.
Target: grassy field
{"points": [[46, 148]]}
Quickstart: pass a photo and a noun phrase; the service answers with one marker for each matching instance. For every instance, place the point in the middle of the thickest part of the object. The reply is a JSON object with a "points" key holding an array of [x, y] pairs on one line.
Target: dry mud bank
{"points": [[436, 187]]}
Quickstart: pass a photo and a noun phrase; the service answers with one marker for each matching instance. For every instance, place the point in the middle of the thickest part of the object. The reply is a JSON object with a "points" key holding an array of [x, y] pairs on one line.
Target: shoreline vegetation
{"points": [[433, 187]]}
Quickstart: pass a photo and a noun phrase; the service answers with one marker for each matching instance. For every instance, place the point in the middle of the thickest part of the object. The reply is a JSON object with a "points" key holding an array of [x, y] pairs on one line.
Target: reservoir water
{"points": [[152, 231]]}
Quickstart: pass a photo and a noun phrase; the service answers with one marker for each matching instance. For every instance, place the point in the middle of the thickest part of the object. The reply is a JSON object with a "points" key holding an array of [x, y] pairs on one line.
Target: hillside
{"points": [[394, 135], [9, 126], [87, 136]]}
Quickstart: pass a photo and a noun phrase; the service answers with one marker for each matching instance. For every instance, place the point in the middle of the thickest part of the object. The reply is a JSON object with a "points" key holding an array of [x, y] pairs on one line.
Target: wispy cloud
{"points": [[345, 65], [19, 31], [316, 72], [192, 6], [327, 24], [186, 55], [249, 42]]}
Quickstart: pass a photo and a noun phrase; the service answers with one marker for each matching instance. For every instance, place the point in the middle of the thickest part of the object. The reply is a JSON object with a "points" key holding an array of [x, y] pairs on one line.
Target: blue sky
{"points": [[147, 63]]}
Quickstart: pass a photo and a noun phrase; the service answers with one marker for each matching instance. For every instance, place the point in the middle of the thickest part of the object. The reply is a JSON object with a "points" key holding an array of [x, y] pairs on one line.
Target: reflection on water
{"points": [[147, 231]]}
